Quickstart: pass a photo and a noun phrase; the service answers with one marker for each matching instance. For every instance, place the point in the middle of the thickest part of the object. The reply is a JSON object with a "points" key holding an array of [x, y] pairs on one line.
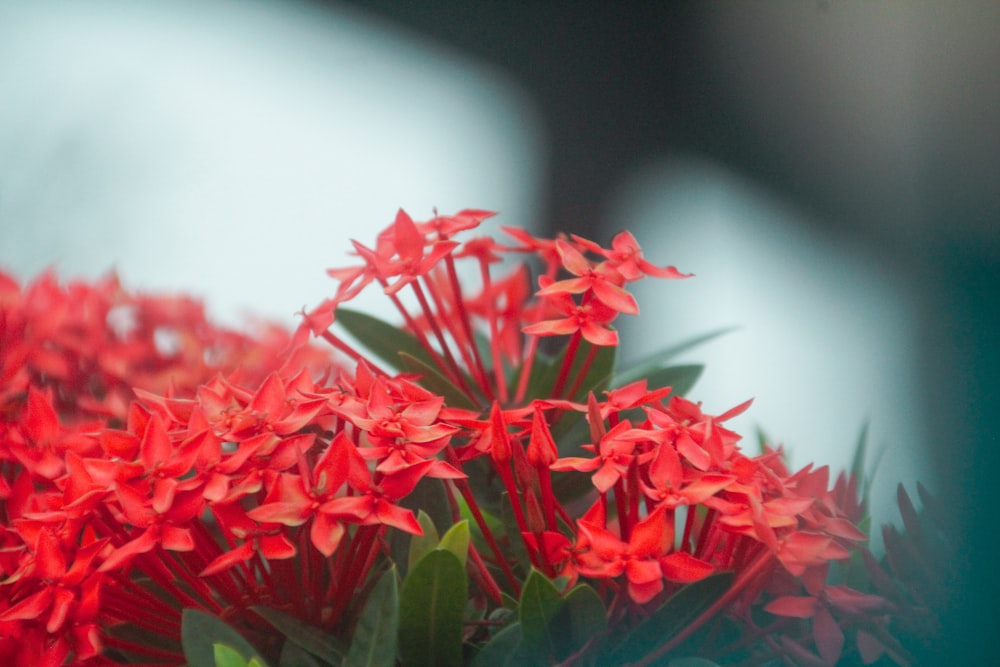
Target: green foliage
{"points": [[384, 340], [504, 650], [226, 656], [374, 641], [677, 613], [539, 604], [550, 626], [313, 640], [456, 540], [421, 545], [648, 367], [293, 655], [201, 633], [431, 611]]}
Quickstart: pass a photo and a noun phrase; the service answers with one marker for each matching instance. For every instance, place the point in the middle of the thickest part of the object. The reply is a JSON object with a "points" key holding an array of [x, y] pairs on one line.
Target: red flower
{"points": [[602, 555], [590, 319]]}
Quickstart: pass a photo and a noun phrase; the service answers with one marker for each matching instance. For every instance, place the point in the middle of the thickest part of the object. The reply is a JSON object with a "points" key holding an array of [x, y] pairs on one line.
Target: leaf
{"points": [[434, 380], [374, 641], [539, 604], [293, 655], [456, 540], [651, 364], [503, 650], [581, 618], [676, 614], [599, 374], [382, 339], [312, 639], [542, 374], [421, 545], [226, 656], [680, 379], [200, 632], [430, 496], [431, 608]]}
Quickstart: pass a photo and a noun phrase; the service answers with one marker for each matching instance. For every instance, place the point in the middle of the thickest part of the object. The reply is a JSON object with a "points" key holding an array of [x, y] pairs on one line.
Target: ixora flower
{"points": [[478, 485]]}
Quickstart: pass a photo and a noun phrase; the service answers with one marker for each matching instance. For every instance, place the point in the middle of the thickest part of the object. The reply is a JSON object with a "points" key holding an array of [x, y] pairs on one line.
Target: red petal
{"points": [[270, 398], [228, 559], [794, 606], [287, 513], [175, 538], [62, 603], [828, 635], [276, 547], [29, 608], [651, 536], [599, 335], [155, 448], [50, 563], [398, 517], [40, 421], [615, 297], [684, 568], [326, 533]]}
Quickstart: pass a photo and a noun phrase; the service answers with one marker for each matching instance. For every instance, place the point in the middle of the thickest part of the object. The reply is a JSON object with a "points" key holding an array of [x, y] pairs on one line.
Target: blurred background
{"points": [[830, 171]]}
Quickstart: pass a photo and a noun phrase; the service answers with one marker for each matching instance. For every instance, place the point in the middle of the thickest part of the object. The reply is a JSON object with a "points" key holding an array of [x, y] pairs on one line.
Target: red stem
{"points": [[498, 373], [567, 364], [582, 374], [476, 361], [456, 372], [470, 501]]}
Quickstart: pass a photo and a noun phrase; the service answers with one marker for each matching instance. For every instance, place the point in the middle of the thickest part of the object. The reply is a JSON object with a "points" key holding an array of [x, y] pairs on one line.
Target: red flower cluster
{"points": [[252, 472]]}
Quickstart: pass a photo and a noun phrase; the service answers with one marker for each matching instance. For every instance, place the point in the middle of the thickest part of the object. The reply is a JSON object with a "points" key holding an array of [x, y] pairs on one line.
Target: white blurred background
{"points": [[231, 149]]}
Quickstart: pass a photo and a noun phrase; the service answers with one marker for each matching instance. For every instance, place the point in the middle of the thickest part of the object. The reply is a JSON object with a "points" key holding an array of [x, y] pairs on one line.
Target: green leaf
{"points": [[680, 379], [540, 602], [541, 374], [657, 361], [858, 460], [384, 340], [312, 639], [581, 618], [421, 545], [599, 374], [430, 496], [226, 656], [293, 655], [374, 642], [676, 614], [456, 540], [200, 632], [431, 608], [504, 650], [434, 380]]}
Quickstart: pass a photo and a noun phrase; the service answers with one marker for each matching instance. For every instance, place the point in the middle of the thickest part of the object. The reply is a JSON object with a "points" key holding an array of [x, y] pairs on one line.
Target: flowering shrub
{"points": [[479, 486]]}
